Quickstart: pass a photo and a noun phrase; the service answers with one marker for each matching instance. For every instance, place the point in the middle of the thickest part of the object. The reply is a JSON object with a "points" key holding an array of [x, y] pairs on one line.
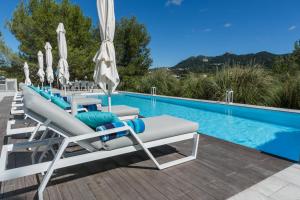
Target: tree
{"points": [[15, 67], [34, 22], [288, 64], [296, 53], [285, 64], [131, 43]]}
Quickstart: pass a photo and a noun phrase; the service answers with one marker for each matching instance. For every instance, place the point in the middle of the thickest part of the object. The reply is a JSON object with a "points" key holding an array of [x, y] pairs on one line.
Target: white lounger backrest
{"points": [[59, 118]]}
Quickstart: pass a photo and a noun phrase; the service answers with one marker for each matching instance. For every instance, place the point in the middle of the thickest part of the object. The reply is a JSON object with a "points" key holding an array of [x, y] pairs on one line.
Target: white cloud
{"points": [[174, 2], [227, 25], [292, 28], [207, 30]]}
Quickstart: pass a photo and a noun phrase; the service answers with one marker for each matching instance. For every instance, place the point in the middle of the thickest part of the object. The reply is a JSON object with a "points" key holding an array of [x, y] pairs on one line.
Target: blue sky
{"points": [[183, 28]]}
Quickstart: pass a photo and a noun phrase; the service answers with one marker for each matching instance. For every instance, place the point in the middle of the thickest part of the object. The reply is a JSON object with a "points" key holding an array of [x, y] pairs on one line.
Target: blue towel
{"points": [[57, 95], [67, 99], [92, 107], [137, 125], [96, 119]]}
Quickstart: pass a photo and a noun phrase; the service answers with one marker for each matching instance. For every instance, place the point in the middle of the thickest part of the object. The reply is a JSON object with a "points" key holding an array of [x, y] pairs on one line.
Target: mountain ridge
{"points": [[202, 63]]}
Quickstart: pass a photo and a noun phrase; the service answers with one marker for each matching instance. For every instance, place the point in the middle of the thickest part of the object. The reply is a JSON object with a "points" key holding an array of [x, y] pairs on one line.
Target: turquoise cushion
{"points": [[96, 118], [46, 95], [138, 124], [60, 103]]}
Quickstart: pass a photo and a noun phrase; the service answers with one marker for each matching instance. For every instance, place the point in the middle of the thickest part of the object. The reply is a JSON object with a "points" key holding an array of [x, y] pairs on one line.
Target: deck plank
{"points": [[221, 170]]}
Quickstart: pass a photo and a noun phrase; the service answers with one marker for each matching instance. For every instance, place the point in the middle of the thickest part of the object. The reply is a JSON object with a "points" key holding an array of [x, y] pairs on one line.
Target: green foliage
{"points": [[34, 22], [288, 64], [288, 94], [199, 87], [4, 49], [16, 69], [285, 64], [296, 53], [251, 85], [131, 43], [164, 81], [132, 52]]}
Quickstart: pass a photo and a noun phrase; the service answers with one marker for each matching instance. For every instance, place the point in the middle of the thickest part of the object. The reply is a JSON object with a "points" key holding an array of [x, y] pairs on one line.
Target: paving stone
{"points": [[289, 192], [270, 185], [291, 174], [249, 194]]}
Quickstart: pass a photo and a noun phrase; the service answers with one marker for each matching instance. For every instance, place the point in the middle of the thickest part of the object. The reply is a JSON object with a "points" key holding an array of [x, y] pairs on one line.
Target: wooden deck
{"points": [[221, 170]]}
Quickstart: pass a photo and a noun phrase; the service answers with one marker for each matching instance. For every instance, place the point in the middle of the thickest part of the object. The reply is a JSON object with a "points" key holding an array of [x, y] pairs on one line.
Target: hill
{"points": [[212, 63]]}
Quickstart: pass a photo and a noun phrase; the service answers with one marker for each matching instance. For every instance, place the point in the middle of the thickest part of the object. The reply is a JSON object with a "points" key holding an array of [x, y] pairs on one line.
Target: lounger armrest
{"points": [[98, 134]]}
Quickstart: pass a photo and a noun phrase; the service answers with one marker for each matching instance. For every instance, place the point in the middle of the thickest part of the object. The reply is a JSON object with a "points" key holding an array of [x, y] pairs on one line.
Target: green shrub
{"points": [[199, 87], [165, 82], [288, 95], [251, 85]]}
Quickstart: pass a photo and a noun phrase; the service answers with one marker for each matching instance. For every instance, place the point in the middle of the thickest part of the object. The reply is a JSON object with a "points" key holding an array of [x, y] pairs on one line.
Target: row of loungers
{"points": [[64, 130], [123, 112]]}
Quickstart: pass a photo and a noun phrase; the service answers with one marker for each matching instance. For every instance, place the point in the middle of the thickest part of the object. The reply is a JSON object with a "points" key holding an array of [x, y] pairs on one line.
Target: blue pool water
{"points": [[269, 131]]}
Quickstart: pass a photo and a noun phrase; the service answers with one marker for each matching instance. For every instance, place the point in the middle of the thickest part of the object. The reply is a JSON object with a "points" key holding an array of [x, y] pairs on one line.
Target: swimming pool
{"points": [[270, 131]]}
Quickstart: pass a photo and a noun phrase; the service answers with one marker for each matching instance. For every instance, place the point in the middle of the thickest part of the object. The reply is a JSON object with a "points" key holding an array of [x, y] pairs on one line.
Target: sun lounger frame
{"points": [[16, 131], [61, 162], [33, 130]]}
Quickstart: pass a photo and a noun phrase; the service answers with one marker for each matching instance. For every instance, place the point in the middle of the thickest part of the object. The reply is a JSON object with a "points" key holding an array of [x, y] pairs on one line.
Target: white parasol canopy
{"points": [[49, 60], [63, 67], [41, 72], [106, 74], [26, 73]]}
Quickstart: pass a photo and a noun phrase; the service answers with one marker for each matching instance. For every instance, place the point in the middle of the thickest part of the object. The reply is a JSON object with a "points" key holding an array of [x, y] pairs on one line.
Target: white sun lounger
{"points": [[14, 104], [159, 131], [17, 100], [123, 112], [18, 95]]}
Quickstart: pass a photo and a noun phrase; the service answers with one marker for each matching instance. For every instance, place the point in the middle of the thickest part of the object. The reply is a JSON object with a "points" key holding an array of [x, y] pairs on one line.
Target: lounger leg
{"points": [[51, 168], [171, 163], [36, 129], [37, 148], [195, 145], [144, 148], [46, 123], [49, 147]]}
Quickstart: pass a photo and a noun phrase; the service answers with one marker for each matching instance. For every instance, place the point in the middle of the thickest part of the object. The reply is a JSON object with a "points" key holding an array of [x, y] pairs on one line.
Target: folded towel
{"points": [[137, 125], [95, 119], [60, 103], [46, 95], [67, 99], [92, 107], [57, 95]]}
